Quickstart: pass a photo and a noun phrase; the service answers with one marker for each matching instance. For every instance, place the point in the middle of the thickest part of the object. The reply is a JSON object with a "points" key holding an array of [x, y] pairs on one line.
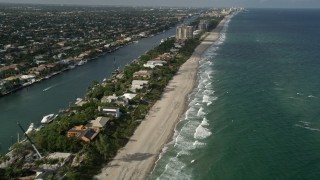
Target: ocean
{"points": [[255, 113]]}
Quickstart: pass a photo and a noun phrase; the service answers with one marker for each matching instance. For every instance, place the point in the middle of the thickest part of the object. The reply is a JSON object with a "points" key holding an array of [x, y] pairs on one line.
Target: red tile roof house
{"points": [[82, 132]]}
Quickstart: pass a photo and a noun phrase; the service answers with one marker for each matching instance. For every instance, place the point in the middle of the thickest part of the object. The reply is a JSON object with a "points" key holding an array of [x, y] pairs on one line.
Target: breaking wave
{"points": [[194, 129]]}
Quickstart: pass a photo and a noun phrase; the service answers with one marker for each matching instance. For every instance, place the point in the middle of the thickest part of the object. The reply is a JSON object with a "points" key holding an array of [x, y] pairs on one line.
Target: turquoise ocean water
{"points": [[255, 113]]}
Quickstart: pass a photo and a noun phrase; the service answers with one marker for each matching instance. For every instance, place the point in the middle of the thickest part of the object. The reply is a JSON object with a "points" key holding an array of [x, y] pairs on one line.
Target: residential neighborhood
{"points": [[93, 128], [37, 42]]}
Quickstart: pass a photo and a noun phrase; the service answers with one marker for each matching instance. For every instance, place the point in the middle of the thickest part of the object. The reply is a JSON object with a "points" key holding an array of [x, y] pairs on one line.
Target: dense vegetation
{"points": [[116, 134]]}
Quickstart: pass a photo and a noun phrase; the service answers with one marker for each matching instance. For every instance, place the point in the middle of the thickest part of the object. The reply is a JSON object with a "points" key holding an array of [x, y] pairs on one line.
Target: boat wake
{"points": [[48, 88], [306, 125]]}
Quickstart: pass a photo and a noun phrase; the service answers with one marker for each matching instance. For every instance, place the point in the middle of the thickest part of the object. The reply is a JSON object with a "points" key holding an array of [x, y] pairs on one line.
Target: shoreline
{"points": [[137, 159]]}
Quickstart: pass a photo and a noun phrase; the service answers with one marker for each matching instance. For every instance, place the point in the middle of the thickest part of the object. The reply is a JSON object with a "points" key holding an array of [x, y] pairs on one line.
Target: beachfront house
{"points": [[143, 74], [82, 132], [113, 111], [98, 123], [153, 64], [129, 96], [119, 100], [138, 84]]}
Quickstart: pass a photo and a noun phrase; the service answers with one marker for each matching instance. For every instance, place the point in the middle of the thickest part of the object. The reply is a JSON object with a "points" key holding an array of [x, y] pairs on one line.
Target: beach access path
{"points": [[137, 158]]}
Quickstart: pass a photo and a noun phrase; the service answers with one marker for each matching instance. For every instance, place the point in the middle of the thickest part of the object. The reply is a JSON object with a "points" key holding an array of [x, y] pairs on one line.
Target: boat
{"points": [[31, 128], [82, 62], [71, 66], [136, 41], [48, 118], [116, 71]]}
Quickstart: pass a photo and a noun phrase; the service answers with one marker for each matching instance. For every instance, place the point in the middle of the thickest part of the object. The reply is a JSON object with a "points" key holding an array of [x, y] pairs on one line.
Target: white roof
{"points": [[59, 155], [129, 95], [139, 82], [156, 62]]}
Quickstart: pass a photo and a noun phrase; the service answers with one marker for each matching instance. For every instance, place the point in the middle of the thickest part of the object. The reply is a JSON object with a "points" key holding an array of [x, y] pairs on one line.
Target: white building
{"points": [[184, 32], [115, 99], [113, 111], [153, 64], [129, 95], [138, 84]]}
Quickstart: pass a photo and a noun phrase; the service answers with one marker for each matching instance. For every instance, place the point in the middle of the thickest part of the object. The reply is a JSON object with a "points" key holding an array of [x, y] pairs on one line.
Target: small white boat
{"points": [[82, 62], [47, 119], [71, 66], [31, 128]]}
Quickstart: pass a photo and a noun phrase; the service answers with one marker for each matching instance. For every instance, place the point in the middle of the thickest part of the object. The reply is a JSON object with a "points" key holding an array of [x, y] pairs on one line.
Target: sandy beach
{"points": [[137, 158]]}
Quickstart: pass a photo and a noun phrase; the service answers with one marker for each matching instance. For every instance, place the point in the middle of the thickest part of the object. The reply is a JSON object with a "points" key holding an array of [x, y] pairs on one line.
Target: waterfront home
{"points": [[82, 132], [115, 99], [12, 78], [113, 111], [80, 102], [42, 174], [46, 170], [10, 67], [98, 123], [153, 64], [138, 84], [143, 74], [28, 77], [38, 70], [165, 57]]}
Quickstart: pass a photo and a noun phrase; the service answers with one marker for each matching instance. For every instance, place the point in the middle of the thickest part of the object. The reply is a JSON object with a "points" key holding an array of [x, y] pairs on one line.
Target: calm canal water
{"points": [[32, 103]]}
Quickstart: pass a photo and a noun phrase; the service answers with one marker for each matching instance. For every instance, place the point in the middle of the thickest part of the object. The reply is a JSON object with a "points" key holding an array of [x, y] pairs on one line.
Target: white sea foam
{"points": [[190, 112], [204, 122], [208, 86], [205, 99], [198, 144], [202, 132], [201, 112], [306, 127], [175, 170], [193, 129], [305, 123], [311, 96]]}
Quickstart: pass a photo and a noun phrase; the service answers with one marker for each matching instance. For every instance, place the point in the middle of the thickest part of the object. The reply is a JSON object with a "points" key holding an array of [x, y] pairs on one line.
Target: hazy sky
{"points": [[193, 3]]}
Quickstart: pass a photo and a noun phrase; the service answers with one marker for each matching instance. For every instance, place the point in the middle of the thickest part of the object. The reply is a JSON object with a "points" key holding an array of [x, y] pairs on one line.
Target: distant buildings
{"points": [[203, 25], [184, 32]]}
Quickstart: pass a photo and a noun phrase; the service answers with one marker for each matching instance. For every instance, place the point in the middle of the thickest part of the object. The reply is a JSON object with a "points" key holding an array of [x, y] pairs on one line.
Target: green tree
{"points": [[102, 146]]}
